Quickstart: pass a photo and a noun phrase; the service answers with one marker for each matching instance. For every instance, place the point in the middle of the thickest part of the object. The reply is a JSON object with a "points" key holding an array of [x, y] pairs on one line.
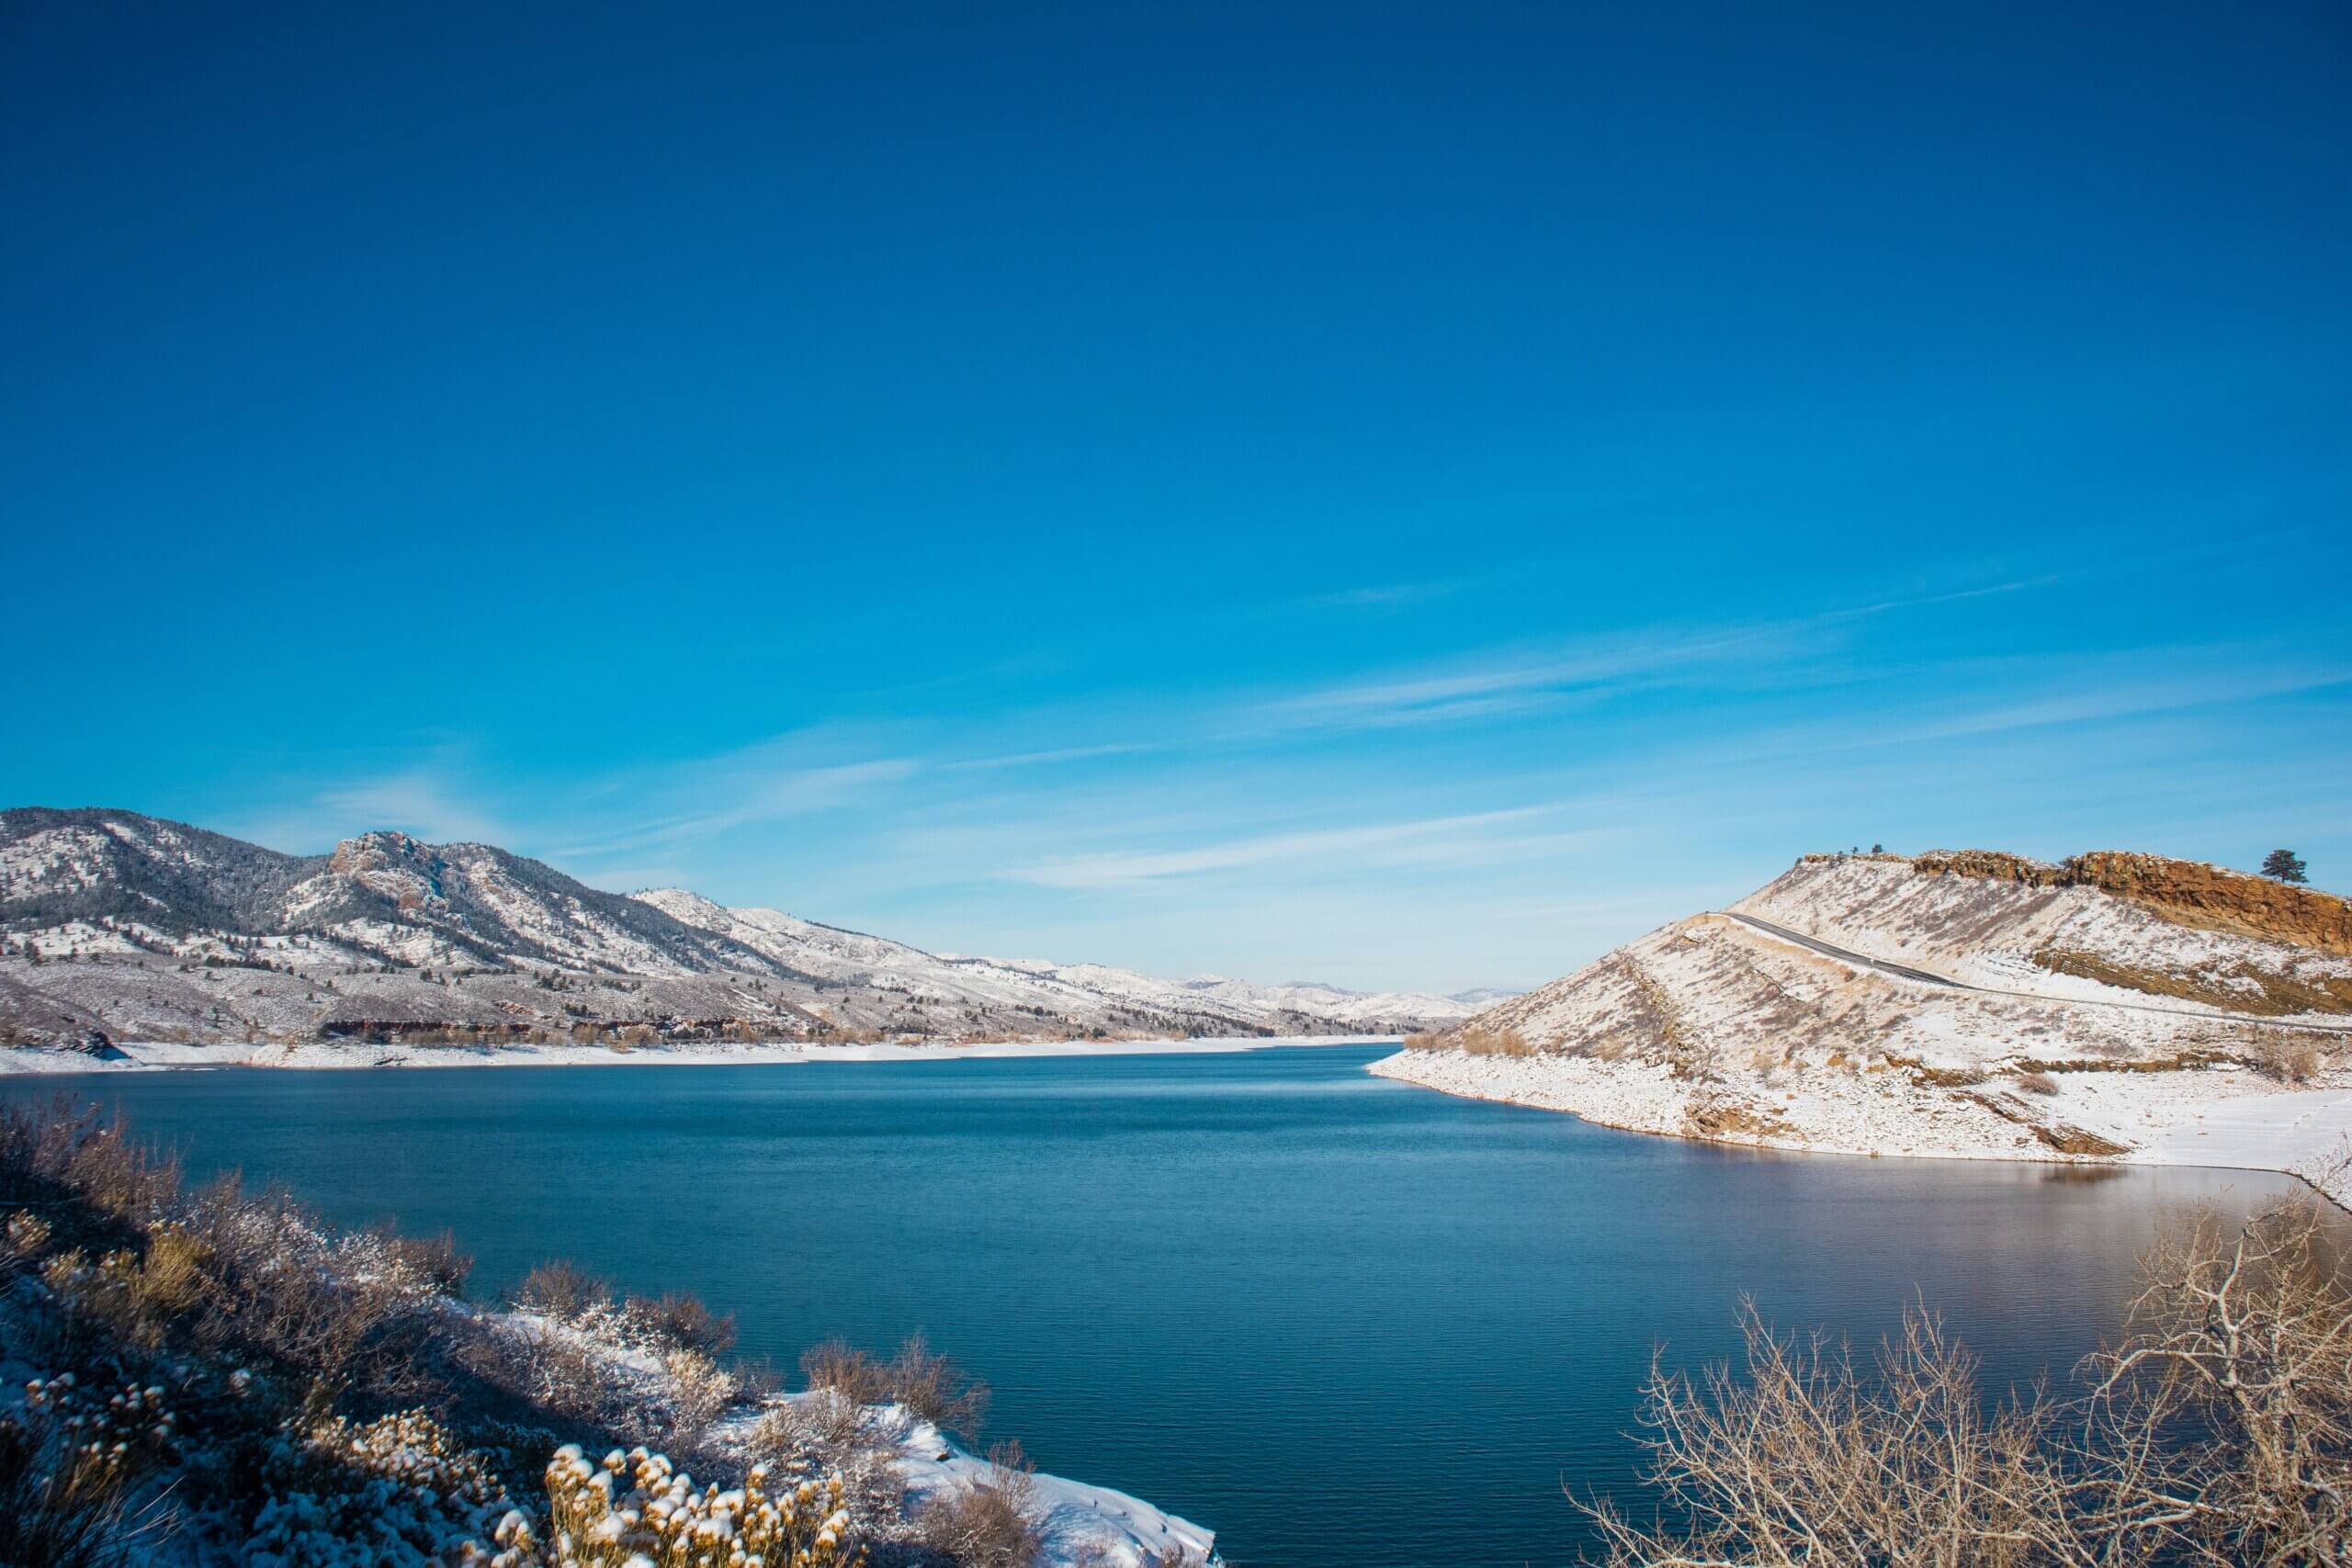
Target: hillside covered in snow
{"points": [[116, 926], [2110, 1007]]}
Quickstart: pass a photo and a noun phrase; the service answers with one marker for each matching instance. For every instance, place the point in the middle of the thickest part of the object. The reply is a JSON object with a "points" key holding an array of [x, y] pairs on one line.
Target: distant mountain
{"points": [[125, 926]]}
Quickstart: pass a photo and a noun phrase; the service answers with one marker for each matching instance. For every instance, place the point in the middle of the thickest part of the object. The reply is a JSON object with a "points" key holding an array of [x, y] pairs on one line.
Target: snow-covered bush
{"points": [[561, 1290], [992, 1523], [398, 1492], [699, 1389], [633, 1508], [825, 1433], [128, 1430]]}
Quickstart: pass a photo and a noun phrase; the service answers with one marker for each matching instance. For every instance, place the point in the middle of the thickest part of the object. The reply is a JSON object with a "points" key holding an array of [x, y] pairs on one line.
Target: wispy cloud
{"points": [[1380, 596], [1511, 683], [739, 791], [2202, 677], [1505, 683], [1054, 754], [1427, 839]]}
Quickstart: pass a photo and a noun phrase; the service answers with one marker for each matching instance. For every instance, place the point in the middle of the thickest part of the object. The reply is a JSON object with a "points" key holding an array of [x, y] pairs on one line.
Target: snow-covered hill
{"points": [[118, 926], [1970, 1003], [1070, 989]]}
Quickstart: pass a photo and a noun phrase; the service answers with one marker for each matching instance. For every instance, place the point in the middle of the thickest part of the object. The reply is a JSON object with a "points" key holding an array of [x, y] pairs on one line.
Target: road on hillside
{"points": [[1927, 978]]}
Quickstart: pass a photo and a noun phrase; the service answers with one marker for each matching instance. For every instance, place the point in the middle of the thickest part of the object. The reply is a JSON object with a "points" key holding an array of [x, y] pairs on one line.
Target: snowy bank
{"points": [[1081, 1525], [2220, 1114], [151, 1056]]}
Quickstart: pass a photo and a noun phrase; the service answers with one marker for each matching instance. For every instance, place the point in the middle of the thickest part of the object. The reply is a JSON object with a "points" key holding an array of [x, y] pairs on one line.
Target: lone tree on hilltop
{"points": [[2284, 864]]}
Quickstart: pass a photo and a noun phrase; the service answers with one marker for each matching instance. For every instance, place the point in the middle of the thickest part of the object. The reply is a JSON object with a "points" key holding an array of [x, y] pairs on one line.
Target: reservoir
{"points": [[1335, 1318]]}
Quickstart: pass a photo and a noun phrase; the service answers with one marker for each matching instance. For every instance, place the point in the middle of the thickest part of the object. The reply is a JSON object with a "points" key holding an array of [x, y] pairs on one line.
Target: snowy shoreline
{"points": [[165, 1057], [2217, 1116]]}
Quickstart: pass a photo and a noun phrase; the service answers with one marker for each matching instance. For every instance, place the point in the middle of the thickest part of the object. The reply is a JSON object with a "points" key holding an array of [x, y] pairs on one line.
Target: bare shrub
{"points": [[838, 1365], [681, 1318], [65, 1148], [561, 1375], [1424, 1042], [2218, 1432], [561, 1290], [282, 1289], [2243, 1340], [2290, 1058], [432, 1259], [990, 1523], [932, 1387], [1808, 1459], [935, 1389], [2037, 1083]]}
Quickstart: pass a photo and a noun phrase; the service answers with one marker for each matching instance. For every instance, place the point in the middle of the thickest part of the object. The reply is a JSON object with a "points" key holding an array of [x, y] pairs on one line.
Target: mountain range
{"points": [[120, 926]]}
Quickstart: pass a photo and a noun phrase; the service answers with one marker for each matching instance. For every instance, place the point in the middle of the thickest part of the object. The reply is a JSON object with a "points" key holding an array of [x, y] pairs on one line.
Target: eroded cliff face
{"points": [[2188, 892]]}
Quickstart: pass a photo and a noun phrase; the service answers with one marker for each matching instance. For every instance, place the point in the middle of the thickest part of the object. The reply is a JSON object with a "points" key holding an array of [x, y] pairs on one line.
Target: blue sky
{"points": [[1398, 495]]}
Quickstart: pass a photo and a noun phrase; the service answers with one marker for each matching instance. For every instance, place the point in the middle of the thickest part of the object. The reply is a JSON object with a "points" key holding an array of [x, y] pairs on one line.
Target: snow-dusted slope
{"points": [[117, 925], [1984, 1006], [2053, 930], [1072, 989]]}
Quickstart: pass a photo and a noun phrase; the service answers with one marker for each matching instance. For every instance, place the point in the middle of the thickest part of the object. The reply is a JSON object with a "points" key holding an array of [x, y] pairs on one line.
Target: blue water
{"points": [[1335, 1318]]}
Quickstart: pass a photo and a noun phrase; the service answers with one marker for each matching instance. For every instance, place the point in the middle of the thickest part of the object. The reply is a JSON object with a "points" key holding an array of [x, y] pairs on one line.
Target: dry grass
{"points": [[63, 1508], [2240, 988], [1475, 1038], [1481, 1041], [2037, 1083]]}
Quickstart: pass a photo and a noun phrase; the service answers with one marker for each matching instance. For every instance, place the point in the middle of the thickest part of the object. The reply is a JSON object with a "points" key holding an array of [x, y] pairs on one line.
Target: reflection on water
{"points": [[1337, 1318], [2083, 1175]]}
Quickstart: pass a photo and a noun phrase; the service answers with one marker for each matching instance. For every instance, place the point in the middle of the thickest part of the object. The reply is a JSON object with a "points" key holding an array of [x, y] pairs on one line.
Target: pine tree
{"points": [[2284, 864]]}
